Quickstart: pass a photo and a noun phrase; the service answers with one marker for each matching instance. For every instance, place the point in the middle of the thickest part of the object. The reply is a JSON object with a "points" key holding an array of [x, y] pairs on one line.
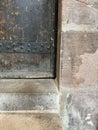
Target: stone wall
{"points": [[79, 64]]}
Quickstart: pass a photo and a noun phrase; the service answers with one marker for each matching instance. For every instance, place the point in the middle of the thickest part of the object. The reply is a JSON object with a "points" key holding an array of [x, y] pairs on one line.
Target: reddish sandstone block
{"points": [[80, 11], [79, 59]]}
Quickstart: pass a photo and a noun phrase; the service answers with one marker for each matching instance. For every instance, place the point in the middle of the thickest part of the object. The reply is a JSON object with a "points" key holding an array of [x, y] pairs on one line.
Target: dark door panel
{"points": [[27, 38], [20, 65]]}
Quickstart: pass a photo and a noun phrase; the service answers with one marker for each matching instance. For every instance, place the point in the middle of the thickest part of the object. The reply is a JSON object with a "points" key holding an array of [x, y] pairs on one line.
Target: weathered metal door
{"points": [[27, 38]]}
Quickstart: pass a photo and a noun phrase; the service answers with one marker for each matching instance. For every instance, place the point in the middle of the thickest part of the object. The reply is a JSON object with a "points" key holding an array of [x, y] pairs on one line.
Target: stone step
{"points": [[28, 95], [11, 102], [28, 86], [43, 121]]}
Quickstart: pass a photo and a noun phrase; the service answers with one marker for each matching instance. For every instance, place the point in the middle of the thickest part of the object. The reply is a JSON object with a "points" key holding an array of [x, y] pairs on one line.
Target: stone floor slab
{"points": [[30, 122]]}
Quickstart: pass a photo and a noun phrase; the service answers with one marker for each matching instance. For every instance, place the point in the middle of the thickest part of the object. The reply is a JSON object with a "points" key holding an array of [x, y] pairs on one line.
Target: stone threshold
{"points": [[28, 96], [28, 86], [27, 121]]}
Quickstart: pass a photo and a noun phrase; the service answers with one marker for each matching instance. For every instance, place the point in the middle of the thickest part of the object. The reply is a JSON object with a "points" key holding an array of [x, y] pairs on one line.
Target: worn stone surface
{"points": [[28, 102], [79, 59], [80, 11], [93, 3], [28, 95], [30, 122], [79, 44], [82, 110], [79, 64], [35, 86]]}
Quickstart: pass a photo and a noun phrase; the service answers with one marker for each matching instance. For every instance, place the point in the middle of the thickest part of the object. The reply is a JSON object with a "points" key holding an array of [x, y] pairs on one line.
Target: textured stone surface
{"points": [[30, 122], [93, 3], [28, 86], [79, 44], [82, 111], [80, 11], [28, 102], [28, 95], [79, 64], [79, 59]]}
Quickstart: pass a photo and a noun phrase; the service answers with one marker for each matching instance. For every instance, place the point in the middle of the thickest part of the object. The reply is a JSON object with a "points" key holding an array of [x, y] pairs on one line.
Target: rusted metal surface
{"points": [[27, 36], [20, 65], [24, 47]]}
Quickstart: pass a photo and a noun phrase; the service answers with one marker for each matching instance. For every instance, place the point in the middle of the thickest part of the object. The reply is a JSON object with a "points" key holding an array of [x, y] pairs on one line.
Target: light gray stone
{"points": [[28, 102], [82, 110]]}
